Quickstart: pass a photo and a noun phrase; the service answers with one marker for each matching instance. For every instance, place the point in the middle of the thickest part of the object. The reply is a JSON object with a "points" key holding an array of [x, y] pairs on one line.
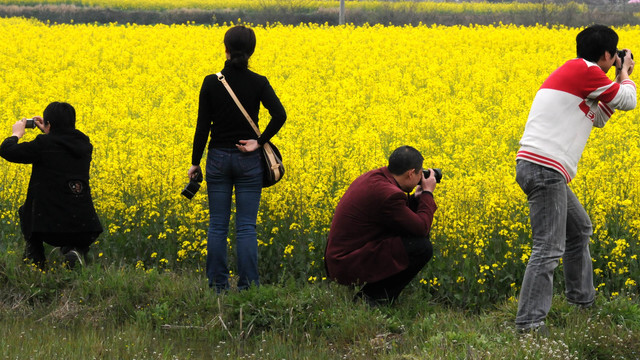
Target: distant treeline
{"points": [[569, 14]]}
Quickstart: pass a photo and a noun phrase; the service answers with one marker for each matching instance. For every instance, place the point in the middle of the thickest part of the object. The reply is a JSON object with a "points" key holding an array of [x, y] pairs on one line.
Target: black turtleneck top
{"points": [[219, 115]]}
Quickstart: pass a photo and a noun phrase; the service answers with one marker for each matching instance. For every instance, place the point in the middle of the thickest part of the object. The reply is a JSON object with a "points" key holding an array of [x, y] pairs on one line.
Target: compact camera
{"points": [[31, 123], [437, 173], [193, 186], [621, 55]]}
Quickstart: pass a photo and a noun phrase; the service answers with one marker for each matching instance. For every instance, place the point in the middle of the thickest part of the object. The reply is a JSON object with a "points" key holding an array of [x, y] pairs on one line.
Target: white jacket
{"points": [[574, 98]]}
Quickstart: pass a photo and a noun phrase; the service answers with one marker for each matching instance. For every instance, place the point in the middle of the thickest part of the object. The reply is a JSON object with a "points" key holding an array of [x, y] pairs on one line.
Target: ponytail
{"points": [[239, 60]]}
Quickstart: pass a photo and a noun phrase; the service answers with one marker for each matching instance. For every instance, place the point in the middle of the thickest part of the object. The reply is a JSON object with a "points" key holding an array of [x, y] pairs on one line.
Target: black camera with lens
{"points": [[30, 124], [621, 55], [193, 186], [437, 173]]}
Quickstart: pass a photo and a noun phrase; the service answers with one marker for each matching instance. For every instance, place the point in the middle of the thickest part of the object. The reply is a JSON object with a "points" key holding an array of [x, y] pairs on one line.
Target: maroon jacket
{"points": [[365, 240]]}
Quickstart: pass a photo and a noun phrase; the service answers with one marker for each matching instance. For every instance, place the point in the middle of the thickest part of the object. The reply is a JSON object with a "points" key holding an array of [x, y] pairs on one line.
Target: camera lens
{"points": [[437, 174]]}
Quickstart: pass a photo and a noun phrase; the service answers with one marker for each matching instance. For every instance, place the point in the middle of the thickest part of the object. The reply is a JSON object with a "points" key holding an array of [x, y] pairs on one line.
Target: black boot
{"points": [[34, 252]]}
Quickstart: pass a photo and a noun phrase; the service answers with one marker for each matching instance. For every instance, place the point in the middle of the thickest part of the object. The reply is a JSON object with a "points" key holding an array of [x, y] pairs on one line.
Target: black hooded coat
{"points": [[59, 197]]}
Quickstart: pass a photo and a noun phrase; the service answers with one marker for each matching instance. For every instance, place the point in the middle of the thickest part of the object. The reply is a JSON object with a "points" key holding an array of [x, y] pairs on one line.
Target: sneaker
{"points": [[73, 258]]}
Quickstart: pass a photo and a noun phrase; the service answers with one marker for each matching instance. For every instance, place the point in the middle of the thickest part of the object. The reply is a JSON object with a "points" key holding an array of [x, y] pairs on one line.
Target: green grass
{"points": [[119, 312]]}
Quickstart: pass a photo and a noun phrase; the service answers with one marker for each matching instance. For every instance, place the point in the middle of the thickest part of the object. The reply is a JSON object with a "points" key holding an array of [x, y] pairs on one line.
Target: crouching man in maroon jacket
{"points": [[379, 237]]}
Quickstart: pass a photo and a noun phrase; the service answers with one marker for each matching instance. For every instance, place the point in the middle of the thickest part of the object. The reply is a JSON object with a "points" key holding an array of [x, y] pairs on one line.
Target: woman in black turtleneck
{"points": [[233, 158]]}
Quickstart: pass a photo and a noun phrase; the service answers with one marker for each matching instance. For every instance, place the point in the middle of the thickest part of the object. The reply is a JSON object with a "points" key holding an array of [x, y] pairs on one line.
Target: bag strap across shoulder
{"points": [[235, 98]]}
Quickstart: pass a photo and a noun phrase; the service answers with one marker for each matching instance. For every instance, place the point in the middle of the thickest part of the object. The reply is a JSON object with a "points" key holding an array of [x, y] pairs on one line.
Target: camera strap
{"points": [[235, 98]]}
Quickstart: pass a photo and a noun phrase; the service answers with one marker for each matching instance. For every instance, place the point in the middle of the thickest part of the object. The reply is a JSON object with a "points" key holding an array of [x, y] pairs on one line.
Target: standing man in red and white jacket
{"points": [[574, 98]]}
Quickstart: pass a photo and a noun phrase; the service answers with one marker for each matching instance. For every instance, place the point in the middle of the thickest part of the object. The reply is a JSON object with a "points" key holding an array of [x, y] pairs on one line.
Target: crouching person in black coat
{"points": [[58, 209]]}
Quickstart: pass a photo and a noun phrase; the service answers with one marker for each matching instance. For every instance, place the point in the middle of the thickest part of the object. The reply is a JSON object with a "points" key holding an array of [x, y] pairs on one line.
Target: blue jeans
{"points": [[560, 228], [227, 168]]}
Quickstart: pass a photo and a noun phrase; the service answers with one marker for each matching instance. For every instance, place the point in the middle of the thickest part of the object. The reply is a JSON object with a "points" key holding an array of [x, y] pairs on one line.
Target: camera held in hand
{"points": [[437, 173], [31, 124], [621, 55], [193, 186]]}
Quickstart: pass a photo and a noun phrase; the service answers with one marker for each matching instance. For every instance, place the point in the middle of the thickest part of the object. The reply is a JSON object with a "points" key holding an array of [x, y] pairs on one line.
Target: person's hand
{"points": [[627, 68], [428, 184], [18, 128], [248, 145], [39, 121], [193, 171], [628, 62]]}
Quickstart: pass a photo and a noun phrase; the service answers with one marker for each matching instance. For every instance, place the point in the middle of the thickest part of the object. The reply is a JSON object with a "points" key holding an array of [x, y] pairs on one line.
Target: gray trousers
{"points": [[560, 228]]}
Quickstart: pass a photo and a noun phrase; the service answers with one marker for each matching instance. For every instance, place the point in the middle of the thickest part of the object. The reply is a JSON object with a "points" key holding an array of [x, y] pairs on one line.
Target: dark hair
{"points": [[592, 42], [60, 115], [240, 42], [405, 158]]}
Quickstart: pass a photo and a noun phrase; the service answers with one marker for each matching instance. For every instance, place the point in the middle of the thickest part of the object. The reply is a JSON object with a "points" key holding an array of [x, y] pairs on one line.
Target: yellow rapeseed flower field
{"points": [[353, 94]]}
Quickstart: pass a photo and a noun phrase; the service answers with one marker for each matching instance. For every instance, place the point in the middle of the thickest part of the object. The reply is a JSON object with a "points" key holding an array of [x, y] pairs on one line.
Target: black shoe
{"points": [[35, 255], [74, 258]]}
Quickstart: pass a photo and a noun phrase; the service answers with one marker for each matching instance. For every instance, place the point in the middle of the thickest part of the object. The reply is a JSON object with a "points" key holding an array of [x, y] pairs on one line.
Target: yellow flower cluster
{"points": [[313, 5], [460, 95]]}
